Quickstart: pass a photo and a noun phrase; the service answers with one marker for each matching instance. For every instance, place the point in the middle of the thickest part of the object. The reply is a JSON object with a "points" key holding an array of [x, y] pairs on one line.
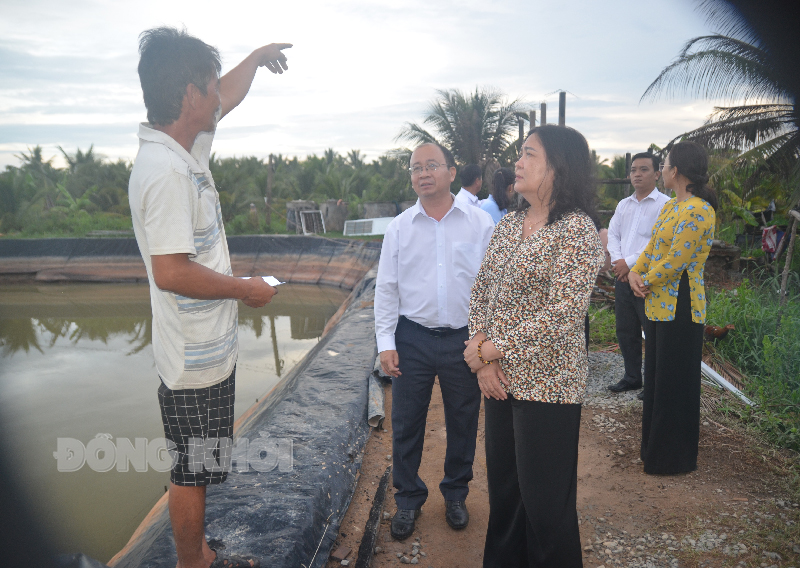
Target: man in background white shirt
{"points": [[431, 254], [628, 234], [471, 182]]}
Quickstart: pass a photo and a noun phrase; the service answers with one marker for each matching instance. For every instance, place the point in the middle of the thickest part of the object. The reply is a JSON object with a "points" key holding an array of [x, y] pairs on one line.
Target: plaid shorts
{"points": [[199, 422]]}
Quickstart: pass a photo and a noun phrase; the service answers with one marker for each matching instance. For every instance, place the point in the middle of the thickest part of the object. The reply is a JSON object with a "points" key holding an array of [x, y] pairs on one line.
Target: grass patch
{"points": [[602, 327], [765, 351], [59, 222]]}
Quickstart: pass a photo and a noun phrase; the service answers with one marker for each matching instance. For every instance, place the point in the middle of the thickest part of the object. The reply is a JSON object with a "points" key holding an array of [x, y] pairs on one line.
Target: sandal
{"points": [[233, 561]]}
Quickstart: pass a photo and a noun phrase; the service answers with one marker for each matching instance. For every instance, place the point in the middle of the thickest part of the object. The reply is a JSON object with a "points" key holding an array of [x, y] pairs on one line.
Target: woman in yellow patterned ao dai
{"points": [[669, 275]]}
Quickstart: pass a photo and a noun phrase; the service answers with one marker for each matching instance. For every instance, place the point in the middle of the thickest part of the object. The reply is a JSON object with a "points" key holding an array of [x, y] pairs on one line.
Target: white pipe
{"points": [[721, 381]]}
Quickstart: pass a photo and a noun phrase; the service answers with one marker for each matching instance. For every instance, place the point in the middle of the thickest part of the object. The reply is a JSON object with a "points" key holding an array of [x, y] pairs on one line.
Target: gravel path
{"points": [[607, 369]]}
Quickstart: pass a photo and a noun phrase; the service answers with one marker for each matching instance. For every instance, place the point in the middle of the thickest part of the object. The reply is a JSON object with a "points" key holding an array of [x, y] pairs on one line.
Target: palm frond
{"points": [[727, 20], [412, 132], [744, 127], [476, 126], [723, 68]]}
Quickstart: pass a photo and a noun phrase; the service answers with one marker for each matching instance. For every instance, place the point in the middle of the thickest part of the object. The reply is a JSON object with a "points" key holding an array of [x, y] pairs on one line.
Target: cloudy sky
{"points": [[358, 70]]}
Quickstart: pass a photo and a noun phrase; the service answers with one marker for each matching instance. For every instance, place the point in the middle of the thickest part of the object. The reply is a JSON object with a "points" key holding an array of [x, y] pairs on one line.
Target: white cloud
{"points": [[358, 70]]}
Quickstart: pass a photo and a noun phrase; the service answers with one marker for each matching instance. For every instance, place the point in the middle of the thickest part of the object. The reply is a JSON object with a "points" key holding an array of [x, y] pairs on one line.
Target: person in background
{"points": [[628, 234], [527, 346], [499, 200], [179, 230], [471, 182], [429, 259], [669, 276]]}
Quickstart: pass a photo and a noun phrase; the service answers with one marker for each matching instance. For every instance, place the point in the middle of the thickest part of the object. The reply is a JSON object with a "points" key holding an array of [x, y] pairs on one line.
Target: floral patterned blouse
{"points": [[681, 240], [530, 297]]}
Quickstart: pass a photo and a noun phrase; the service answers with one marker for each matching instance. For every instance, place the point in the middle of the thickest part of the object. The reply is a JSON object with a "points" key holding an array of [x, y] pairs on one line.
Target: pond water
{"points": [[77, 361]]}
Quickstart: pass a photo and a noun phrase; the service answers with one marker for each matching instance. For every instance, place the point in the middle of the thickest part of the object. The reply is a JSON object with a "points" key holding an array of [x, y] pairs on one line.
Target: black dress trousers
{"points": [[423, 357], [630, 317], [532, 469], [671, 404]]}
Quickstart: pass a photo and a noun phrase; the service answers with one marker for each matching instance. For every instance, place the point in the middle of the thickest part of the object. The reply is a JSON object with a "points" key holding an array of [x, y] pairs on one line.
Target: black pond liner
{"points": [[292, 518]]}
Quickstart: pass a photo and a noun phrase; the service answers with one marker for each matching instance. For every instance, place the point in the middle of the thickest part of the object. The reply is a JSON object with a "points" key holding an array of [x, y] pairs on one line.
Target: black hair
{"points": [[648, 156], [469, 174], [502, 179], [449, 160], [691, 161], [169, 61], [567, 154]]}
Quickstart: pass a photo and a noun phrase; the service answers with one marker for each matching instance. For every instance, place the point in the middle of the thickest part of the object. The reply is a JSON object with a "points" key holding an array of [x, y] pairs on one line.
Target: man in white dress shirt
{"points": [[431, 254], [628, 234], [471, 182]]}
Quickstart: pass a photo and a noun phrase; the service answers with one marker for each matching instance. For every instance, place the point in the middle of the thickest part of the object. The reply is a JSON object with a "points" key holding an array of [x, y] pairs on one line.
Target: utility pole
{"points": [[521, 125], [562, 108], [543, 108], [532, 115]]}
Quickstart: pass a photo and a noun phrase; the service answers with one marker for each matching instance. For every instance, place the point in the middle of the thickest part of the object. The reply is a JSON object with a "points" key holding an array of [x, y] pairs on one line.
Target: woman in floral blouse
{"points": [[669, 275], [528, 349]]}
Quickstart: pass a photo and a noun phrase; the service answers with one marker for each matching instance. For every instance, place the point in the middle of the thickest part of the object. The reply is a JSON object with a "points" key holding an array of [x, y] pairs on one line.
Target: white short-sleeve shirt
{"points": [[175, 209]]}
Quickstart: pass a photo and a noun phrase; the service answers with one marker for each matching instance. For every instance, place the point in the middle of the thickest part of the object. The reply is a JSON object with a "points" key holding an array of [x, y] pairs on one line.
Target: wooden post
{"points": [[628, 170], [532, 116], [785, 278], [543, 108], [782, 244], [562, 108], [268, 198], [789, 251]]}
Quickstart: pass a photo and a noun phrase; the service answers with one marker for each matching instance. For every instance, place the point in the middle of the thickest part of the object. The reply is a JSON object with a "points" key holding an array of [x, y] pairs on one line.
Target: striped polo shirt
{"points": [[175, 209]]}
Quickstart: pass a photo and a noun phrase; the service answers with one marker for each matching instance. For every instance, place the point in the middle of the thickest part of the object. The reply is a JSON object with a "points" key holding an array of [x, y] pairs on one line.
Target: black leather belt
{"points": [[434, 331]]}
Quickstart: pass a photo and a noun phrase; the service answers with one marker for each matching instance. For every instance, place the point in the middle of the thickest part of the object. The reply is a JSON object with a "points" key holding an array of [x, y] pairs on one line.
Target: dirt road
{"points": [[737, 509]]}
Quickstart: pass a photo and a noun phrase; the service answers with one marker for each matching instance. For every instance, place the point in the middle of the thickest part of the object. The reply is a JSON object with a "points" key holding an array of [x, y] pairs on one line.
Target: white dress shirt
{"points": [[427, 268], [632, 224], [469, 198]]}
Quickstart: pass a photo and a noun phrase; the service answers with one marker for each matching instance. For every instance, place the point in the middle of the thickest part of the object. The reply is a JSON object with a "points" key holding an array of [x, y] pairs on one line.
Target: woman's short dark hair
{"points": [[574, 187], [691, 161], [169, 61], [502, 179]]}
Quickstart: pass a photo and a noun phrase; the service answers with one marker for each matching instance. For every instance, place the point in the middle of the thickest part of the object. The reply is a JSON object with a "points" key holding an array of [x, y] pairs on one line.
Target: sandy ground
{"points": [[737, 509]]}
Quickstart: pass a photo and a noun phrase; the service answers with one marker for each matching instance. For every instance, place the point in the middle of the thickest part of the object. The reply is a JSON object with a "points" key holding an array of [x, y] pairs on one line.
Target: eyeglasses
{"points": [[663, 165], [429, 167]]}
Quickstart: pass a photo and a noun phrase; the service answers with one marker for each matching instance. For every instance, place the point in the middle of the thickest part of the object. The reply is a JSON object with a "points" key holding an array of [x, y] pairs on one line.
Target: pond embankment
{"points": [[298, 450], [297, 259]]}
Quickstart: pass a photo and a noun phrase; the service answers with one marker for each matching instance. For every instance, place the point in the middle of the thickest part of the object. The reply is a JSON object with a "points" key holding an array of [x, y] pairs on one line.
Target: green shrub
{"points": [[767, 353], [61, 222]]}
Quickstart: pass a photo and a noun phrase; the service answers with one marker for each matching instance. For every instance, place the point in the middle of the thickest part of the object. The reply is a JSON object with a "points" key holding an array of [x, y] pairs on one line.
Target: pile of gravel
{"points": [[606, 369]]}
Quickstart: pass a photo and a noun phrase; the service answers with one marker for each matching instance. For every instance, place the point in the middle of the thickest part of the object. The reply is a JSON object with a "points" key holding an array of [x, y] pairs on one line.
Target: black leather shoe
{"points": [[457, 515], [623, 386], [403, 523], [640, 396]]}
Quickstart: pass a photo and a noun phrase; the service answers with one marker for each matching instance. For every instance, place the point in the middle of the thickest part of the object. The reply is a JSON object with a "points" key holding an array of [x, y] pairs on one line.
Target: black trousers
{"points": [[532, 468], [629, 312], [671, 405], [422, 357]]}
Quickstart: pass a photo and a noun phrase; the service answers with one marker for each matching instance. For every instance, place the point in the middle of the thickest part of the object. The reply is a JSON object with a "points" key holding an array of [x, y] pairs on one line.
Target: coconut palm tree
{"points": [[477, 127], [762, 123]]}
